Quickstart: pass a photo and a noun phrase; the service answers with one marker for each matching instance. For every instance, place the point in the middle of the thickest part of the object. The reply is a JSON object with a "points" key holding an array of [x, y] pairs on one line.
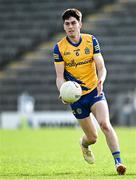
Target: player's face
{"points": [[72, 27]]}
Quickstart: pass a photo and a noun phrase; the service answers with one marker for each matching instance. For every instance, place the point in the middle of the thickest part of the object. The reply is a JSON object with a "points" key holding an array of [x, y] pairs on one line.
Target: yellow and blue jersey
{"points": [[78, 60]]}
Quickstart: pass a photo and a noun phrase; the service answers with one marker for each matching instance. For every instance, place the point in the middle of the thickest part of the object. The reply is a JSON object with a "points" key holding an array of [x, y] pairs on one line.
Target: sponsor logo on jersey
{"points": [[97, 47], [66, 53], [74, 64], [56, 56]]}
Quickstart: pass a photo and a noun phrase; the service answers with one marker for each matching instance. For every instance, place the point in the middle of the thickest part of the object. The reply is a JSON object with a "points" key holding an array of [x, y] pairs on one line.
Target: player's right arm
{"points": [[59, 75], [60, 78], [59, 67]]}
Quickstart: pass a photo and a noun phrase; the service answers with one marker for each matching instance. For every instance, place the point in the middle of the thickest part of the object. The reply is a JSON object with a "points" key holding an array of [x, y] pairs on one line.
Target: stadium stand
{"points": [[24, 25], [113, 25], [116, 29]]}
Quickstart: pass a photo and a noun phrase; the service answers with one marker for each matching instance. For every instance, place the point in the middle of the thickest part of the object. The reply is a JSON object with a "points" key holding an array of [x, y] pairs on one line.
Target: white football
{"points": [[70, 91]]}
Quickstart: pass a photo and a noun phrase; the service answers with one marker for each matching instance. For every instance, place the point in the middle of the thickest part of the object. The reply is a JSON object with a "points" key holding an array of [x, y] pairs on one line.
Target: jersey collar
{"points": [[74, 44]]}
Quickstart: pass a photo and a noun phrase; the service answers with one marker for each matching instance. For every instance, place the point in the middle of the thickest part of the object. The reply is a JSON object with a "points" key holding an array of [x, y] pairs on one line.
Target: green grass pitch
{"points": [[54, 153]]}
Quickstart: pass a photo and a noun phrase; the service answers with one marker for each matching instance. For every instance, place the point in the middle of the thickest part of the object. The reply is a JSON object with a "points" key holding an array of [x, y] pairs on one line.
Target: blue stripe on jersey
{"points": [[70, 77], [96, 45], [57, 54]]}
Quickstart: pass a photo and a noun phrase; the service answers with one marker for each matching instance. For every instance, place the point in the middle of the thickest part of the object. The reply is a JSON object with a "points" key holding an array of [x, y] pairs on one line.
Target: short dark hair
{"points": [[71, 13]]}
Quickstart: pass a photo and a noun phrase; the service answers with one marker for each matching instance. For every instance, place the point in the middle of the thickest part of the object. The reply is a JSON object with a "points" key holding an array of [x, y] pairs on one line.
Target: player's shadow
{"points": [[132, 175], [127, 174]]}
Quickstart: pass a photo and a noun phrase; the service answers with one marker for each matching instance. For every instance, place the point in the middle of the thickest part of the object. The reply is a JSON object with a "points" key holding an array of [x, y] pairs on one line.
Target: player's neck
{"points": [[75, 39]]}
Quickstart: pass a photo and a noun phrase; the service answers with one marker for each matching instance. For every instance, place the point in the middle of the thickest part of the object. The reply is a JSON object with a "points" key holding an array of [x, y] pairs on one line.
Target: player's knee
{"points": [[105, 126], [92, 139]]}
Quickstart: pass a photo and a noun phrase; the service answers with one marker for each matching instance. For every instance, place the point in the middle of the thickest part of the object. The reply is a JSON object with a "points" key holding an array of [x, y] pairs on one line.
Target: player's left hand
{"points": [[100, 87]]}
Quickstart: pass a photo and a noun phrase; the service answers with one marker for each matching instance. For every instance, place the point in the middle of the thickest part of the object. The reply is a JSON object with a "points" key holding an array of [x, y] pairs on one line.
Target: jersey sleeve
{"points": [[57, 55], [96, 46]]}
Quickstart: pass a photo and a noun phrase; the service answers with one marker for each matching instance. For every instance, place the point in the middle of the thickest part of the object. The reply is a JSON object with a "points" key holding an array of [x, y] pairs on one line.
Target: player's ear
{"points": [[64, 26]]}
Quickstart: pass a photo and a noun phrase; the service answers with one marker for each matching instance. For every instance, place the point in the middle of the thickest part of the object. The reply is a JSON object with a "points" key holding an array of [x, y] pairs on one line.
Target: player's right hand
{"points": [[64, 102]]}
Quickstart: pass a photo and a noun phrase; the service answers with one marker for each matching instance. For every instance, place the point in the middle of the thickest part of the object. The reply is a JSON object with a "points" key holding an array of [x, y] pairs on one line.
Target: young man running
{"points": [[78, 58]]}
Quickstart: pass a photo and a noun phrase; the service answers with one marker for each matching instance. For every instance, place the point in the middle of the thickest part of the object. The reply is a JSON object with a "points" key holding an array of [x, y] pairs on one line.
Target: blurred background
{"points": [[29, 29]]}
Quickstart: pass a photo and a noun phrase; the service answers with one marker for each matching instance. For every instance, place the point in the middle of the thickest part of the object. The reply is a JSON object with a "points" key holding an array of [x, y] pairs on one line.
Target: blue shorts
{"points": [[82, 108]]}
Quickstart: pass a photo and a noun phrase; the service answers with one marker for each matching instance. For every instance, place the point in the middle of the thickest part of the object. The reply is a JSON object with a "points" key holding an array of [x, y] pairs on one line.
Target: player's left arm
{"points": [[100, 65], [101, 70]]}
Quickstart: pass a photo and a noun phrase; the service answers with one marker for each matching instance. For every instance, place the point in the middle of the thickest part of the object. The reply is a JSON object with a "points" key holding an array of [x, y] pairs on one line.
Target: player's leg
{"points": [[101, 112], [90, 131], [81, 110], [89, 138]]}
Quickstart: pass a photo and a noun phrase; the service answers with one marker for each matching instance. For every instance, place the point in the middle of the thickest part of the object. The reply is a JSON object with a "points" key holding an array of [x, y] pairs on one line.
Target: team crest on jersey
{"points": [[87, 50]]}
